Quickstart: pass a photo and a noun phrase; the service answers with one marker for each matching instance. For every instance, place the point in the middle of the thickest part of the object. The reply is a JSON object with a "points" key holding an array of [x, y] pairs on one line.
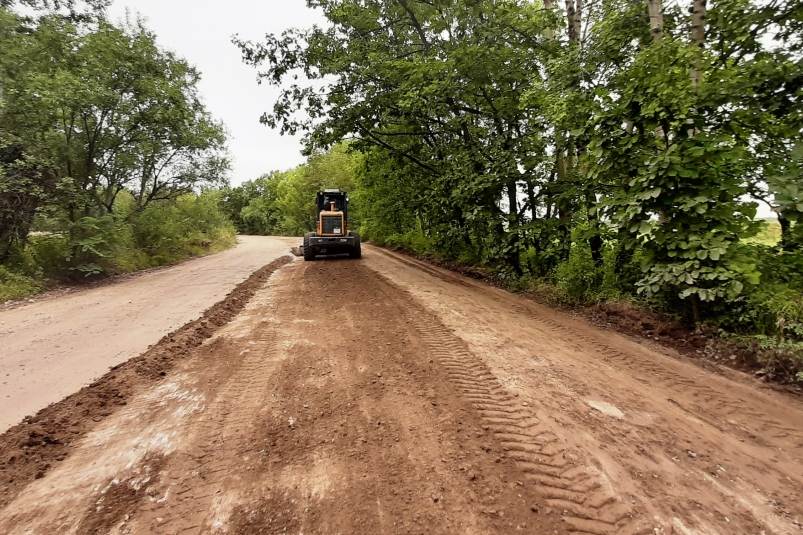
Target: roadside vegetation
{"points": [[282, 203], [109, 161], [609, 150]]}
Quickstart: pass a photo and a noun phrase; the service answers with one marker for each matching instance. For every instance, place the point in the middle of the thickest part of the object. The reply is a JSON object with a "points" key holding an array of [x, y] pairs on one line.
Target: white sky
{"points": [[201, 32]]}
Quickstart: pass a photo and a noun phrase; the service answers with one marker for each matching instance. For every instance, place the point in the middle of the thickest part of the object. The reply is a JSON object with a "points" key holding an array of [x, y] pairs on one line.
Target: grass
{"points": [[769, 235], [16, 286]]}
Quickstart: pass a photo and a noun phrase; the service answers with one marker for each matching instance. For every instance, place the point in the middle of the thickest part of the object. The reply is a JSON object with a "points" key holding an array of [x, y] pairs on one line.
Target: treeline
{"points": [[282, 203], [611, 148], [105, 147]]}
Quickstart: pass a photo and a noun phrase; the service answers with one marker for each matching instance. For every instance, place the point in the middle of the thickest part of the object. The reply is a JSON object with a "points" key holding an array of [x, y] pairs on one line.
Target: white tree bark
{"points": [[698, 16], [656, 9], [550, 33], [571, 23]]}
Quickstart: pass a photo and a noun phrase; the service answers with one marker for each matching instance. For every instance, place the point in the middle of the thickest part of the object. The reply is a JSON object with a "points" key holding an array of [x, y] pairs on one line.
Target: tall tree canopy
{"points": [[509, 126], [90, 110]]}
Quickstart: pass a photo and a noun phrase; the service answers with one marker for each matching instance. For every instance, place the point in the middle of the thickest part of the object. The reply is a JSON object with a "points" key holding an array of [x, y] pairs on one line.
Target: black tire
{"points": [[309, 253], [356, 252]]}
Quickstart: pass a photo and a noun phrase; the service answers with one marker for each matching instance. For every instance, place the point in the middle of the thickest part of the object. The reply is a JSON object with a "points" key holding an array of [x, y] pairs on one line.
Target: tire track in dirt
{"points": [[648, 451], [708, 400], [588, 503], [223, 426]]}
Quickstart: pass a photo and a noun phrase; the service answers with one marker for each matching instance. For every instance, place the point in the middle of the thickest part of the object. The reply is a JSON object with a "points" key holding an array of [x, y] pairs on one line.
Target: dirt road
{"points": [[387, 396], [51, 347]]}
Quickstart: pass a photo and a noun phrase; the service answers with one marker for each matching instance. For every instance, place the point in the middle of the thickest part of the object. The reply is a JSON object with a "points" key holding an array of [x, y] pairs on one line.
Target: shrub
{"points": [[125, 241], [412, 241], [192, 226], [15, 286], [578, 278]]}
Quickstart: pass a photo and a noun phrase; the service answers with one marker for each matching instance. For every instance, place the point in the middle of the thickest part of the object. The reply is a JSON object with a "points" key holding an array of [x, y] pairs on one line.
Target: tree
{"points": [[517, 127], [25, 186], [102, 110], [115, 112], [284, 202], [428, 84]]}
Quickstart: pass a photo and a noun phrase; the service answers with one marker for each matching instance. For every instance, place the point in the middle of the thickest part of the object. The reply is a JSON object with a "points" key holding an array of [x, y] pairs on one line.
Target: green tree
{"points": [[283, 202], [647, 129]]}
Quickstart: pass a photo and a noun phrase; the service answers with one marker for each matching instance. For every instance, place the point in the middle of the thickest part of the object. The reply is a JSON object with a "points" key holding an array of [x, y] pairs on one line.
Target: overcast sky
{"points": [[201, 31]]}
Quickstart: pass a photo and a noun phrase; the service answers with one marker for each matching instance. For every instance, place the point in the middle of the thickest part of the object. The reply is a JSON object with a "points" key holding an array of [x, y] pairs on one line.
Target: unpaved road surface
{"points": [[383, 395], [50, 348]]}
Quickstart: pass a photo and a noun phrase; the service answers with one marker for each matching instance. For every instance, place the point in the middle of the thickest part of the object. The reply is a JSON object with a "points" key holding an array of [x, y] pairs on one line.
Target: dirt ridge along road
{"points": [[60, 343], [697, 452], [29, 450]]}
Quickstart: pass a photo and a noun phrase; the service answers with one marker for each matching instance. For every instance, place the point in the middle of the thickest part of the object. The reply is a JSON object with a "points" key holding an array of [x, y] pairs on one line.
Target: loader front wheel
{"points": [[309, 253]]}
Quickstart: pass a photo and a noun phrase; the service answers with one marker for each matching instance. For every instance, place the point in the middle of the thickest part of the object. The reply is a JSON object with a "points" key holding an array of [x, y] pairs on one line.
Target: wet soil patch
{"points": [[29, 449]]}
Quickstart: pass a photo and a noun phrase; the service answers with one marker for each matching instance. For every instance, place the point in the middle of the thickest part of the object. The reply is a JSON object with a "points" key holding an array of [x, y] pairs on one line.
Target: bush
{"points": [[192, 226], [769, 310], [412, 241], [125, 241], [15, 286], [578, 278]]}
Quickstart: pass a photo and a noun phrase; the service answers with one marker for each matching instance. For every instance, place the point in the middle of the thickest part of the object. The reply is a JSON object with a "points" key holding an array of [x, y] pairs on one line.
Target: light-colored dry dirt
{"points": [[387, 396], [50, 348]]}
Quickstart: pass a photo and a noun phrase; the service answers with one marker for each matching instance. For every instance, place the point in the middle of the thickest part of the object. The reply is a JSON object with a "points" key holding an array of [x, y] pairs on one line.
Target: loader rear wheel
{"points": [[356, 251], [309, 253]]}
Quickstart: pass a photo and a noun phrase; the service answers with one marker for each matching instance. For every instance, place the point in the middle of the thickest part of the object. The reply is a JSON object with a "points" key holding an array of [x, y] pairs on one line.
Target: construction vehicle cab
{"points": [[333, 236]]}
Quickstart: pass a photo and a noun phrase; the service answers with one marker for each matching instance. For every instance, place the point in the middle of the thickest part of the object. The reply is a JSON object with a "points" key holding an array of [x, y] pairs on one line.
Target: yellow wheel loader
{"points": [[333, 236]]}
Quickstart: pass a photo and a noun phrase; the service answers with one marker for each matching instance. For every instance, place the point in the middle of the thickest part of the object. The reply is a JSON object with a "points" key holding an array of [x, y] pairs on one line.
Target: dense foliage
{"points": [[103, 137], [611, 147], [283, 203]]}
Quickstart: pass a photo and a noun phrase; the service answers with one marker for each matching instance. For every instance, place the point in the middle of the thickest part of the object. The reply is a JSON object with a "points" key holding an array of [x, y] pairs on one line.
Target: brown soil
{"points": [[389, 396], [56, 345], [705, 347], [29, 450]]}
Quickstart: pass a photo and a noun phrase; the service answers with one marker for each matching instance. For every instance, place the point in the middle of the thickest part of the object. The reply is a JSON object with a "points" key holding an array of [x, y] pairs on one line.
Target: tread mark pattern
{"points": [[704, 396], [234, 408], [587, 506]]}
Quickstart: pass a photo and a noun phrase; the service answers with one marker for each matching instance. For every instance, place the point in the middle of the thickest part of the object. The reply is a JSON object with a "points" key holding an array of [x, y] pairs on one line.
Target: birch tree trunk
{"points": [[572, 22], [549, 33], [697, 38], [656, 9], [698, 15]]}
